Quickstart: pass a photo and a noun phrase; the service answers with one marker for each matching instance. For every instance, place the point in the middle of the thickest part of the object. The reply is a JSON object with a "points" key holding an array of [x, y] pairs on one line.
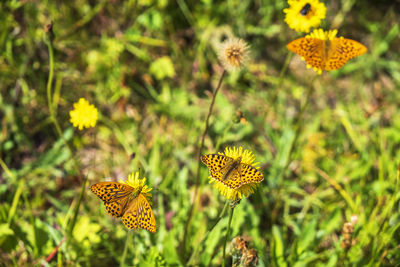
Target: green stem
{"points": [[127, 242], [298, 126], [76, 211], [18, 192], [221, 215], [197, 182], [281, 76], [227, 235]]}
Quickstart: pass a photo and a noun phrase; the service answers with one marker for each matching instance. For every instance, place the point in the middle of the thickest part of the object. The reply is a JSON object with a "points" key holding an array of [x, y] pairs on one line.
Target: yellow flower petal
{"points": [[302, 15], [83, 114]]}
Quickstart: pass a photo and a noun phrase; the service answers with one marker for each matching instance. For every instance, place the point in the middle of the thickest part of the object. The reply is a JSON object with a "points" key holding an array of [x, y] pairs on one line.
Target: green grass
{"points": [[150, 68]]}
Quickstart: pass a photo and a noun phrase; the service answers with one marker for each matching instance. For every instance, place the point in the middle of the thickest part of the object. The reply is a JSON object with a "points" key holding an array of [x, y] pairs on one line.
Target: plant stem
{"points": [[127, 242], [281, 76], [76, 211], [298, 126], [221, 215], [197, 181], [227, 235]]}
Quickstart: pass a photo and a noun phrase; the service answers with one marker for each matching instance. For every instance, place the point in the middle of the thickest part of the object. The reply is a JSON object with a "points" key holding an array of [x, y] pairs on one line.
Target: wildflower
{"points": [[139, 185], [304, 14], [233, 54], [249, 180], [83, 114]]}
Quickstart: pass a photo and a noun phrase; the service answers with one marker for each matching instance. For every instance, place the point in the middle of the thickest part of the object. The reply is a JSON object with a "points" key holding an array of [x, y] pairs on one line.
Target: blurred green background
{"points": [[150, 68]]}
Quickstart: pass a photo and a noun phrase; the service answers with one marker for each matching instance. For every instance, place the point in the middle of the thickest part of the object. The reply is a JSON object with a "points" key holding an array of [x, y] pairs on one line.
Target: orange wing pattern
{"points": [[223, 169], [115, 196], [314, 52], [311, 49], [342, 50], [140, 215]]}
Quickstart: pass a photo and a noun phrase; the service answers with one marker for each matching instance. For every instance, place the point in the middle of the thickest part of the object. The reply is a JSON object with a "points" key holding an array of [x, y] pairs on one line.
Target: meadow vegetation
{"points": [[327, 145]]}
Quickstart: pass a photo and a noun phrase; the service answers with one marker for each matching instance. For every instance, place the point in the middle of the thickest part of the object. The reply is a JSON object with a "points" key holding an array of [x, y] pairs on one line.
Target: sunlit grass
{"points": [[327, 144]]}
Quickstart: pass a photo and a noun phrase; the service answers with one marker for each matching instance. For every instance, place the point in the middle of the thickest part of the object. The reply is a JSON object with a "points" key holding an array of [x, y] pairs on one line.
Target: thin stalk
{"points": [[127, 242], [18, 192], [197, 183], [298, 126], [281, 76], [227, 235], [221, 215], [76, 211]]}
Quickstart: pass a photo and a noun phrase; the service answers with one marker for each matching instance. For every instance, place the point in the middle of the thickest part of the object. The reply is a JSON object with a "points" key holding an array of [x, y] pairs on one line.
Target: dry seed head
{"points": [[233, 54]]}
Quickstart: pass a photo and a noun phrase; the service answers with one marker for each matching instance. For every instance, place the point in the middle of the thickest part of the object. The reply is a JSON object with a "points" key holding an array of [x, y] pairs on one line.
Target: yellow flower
{"points": [[323, 35], [233, 54], [83, 114], [304, 14], [139, 185], [245, 190]]}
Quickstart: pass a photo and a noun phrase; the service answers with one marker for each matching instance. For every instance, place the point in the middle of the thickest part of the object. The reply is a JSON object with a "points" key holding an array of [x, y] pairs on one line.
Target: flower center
{"points": [[234, 55], [305, 10]]}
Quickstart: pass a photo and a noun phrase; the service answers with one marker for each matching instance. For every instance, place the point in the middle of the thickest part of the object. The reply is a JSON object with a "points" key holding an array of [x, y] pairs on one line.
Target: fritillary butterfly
{"points": [[318, 54], [121, 200], [231, 172]]}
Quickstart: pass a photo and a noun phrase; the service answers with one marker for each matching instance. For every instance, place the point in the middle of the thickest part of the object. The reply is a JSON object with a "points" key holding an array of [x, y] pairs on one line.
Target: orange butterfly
{"points": [[324, 51], [231, 171], [126, 201]]}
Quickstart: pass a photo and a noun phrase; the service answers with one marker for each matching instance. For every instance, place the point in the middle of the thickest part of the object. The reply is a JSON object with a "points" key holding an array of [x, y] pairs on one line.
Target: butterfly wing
{"points": [[115, 196], [250, 174], [140, 215], [217, 164], [311, 49], [244, 174], [342, 50]]}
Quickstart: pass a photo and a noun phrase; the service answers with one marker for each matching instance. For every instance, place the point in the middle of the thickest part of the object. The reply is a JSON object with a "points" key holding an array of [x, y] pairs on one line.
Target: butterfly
{"points": [[122, 200], [231, 172], [323, 56]]}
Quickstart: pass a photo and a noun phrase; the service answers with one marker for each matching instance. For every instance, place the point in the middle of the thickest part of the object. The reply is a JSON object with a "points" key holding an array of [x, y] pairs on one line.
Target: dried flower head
{"points": [[347, 233], [242, 255], [302, 15], [233, 54], [83, 114]]}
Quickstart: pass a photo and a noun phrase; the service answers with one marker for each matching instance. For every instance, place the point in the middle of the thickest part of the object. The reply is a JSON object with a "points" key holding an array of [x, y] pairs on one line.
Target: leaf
{"points": [[278, 247], [162, 68]]}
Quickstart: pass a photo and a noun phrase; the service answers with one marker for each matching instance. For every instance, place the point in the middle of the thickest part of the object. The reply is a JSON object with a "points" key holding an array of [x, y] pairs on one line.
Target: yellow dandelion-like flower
{"points": [[83, 114], [233, 54], [323, 35], [302, 15], [139, 185], [235, 162]]}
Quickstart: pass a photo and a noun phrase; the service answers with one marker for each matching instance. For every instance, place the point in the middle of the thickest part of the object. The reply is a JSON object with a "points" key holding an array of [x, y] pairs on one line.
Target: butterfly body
{"points": [[324, 54], [231, 172], [231, 166], [122, 200]]}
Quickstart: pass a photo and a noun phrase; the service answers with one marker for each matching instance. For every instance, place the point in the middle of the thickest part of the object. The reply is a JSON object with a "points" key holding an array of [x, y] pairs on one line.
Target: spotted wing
{"points": [[140, 215], [342, 50], [312, 51], [115, 196], [217, 164], [244, 174]]}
